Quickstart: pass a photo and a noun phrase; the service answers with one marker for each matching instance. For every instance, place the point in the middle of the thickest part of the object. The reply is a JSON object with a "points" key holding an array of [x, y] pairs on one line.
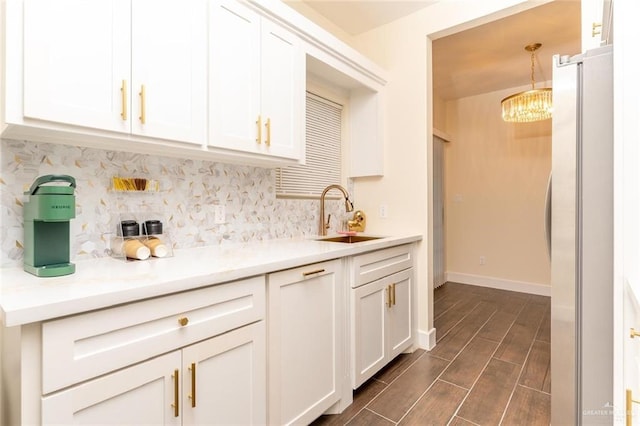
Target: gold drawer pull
{"points": [[596, 29], [388, 302], [393, 294], [176, 392], [123, 91], [183, 321], [143, 113], [317, 271], [193, 384], [259, 126], [268, 127], [629, 407], [634, 333]]}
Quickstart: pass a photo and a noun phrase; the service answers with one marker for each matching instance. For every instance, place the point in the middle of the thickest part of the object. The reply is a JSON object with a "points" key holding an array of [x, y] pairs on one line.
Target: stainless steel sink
{"points": [[349, 239]]}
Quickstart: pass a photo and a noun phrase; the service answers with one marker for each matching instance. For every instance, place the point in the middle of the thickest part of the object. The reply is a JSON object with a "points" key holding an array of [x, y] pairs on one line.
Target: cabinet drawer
{"points": [[372, 266], [86, 345]]}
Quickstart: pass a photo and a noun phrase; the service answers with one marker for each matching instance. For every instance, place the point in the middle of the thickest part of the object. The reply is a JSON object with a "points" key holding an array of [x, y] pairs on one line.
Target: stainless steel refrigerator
{"points": [[582, 239]]}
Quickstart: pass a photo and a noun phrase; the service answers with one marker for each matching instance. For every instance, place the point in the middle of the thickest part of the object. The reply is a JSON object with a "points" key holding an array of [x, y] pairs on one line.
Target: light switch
{"points": [[219, 214]]}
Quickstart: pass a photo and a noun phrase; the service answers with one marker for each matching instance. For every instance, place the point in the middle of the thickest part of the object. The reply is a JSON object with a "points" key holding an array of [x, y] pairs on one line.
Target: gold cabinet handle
{"points": [[183, 321], [393, 294], [267, 125], [634, 333], [176, 392], [259, 126], [123, 93], [143, 115], [596, 29], [193, 384], [317, 271], [629, 408], [388, 290]]}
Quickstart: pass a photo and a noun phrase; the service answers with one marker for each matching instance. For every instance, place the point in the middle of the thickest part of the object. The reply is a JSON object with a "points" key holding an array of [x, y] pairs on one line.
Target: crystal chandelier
{"points": [[532, 105]]}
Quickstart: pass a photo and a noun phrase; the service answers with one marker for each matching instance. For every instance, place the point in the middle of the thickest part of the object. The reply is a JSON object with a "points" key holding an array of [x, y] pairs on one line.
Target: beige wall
{"points": [[310, 13], [403, 48], [495, 184], [439, 114]]}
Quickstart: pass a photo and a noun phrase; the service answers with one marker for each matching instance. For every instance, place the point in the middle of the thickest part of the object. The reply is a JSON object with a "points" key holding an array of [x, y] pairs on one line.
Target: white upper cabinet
{"points": [[168, 55], [257, 79], [86, 62], [223, 80], [234, 62], [596, 23], [283, 92], [76, 57]]}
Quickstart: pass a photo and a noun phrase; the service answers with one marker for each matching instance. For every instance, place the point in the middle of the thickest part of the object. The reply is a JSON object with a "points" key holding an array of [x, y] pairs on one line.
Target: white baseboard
{"points": [[499, 283], [427, 339]]}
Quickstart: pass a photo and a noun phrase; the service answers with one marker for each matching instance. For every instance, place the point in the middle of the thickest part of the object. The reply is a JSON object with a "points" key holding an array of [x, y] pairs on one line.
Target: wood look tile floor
{"points": [[490, 366]]}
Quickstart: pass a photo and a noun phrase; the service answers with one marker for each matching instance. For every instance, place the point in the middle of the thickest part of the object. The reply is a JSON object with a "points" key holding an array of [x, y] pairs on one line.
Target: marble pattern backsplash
{"points": [[188, 190]]}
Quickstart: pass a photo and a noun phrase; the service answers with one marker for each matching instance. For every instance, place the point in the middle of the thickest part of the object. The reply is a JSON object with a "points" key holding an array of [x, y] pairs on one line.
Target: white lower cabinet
{"points": [[382, 324], [225, 379], [280, 348], [219, 381], [195, 357], [110, 399], [306, 316]]}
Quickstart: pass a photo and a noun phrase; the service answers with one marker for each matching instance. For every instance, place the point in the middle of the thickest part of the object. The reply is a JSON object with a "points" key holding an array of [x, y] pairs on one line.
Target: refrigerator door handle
{"points": [[547, 217]]}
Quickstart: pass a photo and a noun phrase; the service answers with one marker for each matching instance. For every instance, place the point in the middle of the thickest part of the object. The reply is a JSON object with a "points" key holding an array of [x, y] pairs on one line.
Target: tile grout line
{"points": [[465, 419], [524, 363], [457, 322], [534, 389], [487, 363], [448, 365], [380, 415], [366, 406]]}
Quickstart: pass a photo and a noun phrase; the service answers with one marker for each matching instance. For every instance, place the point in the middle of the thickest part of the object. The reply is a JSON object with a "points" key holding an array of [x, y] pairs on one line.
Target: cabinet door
{"points": [[234, 77], [369, 317], [283, 97], [169, 48], [227, 374], [381, 324], [399, 324], [76, 59], [306, 320], [142, 394]]}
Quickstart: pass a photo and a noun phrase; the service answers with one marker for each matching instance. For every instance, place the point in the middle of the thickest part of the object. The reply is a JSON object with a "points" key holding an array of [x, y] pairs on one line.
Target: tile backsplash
{"points": [[188, 190]]}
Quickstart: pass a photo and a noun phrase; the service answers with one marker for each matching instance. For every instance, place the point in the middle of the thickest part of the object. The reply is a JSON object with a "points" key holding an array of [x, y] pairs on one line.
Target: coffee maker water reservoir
{"points": [[50, 205]]}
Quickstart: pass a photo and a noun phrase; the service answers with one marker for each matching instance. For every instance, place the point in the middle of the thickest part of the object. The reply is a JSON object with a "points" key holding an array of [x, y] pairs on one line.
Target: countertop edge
{"points": [[17, 314]]}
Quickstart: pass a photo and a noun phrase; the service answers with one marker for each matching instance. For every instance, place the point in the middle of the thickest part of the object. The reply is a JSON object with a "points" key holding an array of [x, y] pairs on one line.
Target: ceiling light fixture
{"points": [[532, 105]]}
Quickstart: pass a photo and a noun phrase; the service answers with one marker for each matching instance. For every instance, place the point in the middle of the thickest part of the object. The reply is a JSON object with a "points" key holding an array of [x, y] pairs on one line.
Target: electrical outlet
{"points": [[219, 214], [483, 260], [382, 211]]}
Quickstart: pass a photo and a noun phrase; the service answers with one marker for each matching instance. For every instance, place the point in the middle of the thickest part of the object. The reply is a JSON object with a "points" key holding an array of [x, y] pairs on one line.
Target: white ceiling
{"points": [[358, 16], [486, 58]]}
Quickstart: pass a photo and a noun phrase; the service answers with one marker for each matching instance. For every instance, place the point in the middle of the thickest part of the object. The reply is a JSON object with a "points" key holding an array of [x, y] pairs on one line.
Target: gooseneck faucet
{"points": [[348, 205]]}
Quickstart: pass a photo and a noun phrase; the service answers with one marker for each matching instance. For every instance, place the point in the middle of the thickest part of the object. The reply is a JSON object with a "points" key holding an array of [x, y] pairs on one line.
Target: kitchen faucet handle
{"points": [[328, 224]]}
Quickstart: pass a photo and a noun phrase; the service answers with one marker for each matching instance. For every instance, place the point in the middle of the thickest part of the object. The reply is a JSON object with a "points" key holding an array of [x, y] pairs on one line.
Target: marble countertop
{"points": [[104, 282]]}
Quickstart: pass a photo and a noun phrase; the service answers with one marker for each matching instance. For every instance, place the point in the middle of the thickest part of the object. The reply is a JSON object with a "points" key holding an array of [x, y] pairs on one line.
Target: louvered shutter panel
{"points": [[323, 161]]}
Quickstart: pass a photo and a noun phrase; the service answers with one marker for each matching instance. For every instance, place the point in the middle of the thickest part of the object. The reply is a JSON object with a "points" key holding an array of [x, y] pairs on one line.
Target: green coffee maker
{"points": [[50, 205]]}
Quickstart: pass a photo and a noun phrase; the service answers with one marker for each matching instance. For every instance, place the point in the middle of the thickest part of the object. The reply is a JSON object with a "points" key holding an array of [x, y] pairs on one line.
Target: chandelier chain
{"points": [[533, 81]]}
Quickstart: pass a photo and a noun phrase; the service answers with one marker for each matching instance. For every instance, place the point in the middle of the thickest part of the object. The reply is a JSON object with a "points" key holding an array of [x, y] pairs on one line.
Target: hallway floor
{"points": [[490, 366]]}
